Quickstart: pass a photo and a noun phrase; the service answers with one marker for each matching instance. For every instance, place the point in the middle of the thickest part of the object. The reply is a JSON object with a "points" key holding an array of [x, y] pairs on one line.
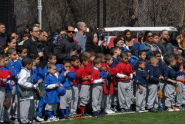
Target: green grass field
{"points": [[135, 118]]}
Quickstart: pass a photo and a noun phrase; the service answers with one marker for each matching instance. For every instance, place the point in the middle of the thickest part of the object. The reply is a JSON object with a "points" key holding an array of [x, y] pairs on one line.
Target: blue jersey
{"points": [[170, 73], [14, 67], [141, 77], [51, 94], [68, 79], [36, 75], [154, 74]]}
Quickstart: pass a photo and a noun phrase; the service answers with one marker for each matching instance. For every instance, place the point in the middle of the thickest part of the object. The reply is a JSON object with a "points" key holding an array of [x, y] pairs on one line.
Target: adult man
{"points": [[2, 34], [81, 36], [164, 45], [66, 46], [32, 43]]}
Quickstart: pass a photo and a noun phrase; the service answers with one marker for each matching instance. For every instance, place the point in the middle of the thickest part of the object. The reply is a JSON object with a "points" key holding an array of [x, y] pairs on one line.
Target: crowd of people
{"points": [[144, 73]]}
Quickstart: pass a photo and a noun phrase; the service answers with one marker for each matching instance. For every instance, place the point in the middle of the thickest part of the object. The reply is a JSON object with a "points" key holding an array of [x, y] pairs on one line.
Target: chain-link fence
{"points": [[58, 13]]}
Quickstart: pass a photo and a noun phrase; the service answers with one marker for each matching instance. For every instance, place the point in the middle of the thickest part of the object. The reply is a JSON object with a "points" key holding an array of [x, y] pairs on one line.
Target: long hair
{"points": [[90, 35]]}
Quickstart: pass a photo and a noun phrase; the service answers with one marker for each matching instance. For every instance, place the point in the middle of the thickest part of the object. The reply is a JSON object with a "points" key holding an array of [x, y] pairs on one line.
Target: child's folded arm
{"points": [[97, 81], [51, 86], [120, 75]]}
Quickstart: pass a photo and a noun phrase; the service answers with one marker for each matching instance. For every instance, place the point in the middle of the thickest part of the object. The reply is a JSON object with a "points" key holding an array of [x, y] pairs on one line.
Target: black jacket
{"points": [[90, 47], [33, 47], [64, 46]]}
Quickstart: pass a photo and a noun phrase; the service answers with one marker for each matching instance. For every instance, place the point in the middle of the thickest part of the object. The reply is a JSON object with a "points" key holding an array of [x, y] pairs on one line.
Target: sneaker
{"points": [[56, 118], [176, 108], [107, 111], [112, 112], [170, 109], [39, 119], [141, 111], [52, 119]]}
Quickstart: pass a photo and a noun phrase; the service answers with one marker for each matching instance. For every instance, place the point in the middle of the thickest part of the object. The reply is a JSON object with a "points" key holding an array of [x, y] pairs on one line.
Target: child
{"points": [[26, 99], [37, 79], [108, 87], [141, 83], [14, 63], [14, 66], [85, 81], [75, 62], [124, 76], [22, 51], [67, 77], [171, 83], [116, 51], [52, 99], [51, 58], [97, 89], [4, 76], [161, 65], [181, 87], [154, 77], [142, 56]]}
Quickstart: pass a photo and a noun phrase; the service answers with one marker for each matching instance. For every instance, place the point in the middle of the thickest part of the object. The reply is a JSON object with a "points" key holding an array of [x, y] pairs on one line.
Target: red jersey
{"points": [[95, 75], [124, 68], [4, 74], [85, 72], [112, 71]]}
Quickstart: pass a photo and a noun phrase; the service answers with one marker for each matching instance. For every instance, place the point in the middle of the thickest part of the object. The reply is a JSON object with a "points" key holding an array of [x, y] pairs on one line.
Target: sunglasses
{"points": [[71, 32]]}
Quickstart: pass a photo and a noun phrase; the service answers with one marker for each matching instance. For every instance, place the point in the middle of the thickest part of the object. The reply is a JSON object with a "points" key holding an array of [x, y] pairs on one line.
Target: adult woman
{"points": [[10, 43], [93, 44], [129, 44], [148, 45]]}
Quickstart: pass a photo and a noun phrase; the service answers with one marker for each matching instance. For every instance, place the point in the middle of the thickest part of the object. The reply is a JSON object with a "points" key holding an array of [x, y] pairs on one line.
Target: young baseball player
{"points": [[75, 62], [66, 79], [115, 51], [85, 76], [180, 100], [124, 76], [52, 99], [170, 76], [4, 76], [51, 59], [14, 65], [26, 98], [154, 77], [141, 84], [161, 65], [108, 87], [97, 89], [37, 78]]}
